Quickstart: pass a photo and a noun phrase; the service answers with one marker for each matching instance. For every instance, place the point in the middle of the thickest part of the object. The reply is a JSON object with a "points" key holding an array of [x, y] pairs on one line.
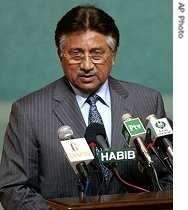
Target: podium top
{"points": [[152, 200]]}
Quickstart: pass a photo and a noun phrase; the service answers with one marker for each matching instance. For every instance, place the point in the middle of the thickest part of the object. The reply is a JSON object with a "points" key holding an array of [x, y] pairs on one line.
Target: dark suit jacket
{"points": [[34, 167]]}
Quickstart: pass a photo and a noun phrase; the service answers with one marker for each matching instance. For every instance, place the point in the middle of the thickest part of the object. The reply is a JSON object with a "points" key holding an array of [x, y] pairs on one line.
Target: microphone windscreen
{"points": [[97, 128], [90, 136], [65, 132]]}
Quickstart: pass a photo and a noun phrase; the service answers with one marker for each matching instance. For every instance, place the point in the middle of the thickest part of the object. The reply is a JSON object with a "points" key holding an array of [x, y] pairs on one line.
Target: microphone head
{"points": [[97, 128], [126, 117], [90, 136], [98, 131], [65, 133], [150, 117]]}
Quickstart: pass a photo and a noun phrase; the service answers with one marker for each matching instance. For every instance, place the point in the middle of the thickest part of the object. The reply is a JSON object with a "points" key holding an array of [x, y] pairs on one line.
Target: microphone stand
{"points": [[149, 168], [83, 181], [164, 159], [80, 190], [154, 177], [167, 161]]}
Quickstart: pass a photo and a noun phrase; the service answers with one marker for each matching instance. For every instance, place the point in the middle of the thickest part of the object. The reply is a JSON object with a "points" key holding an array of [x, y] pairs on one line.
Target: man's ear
{"points": [[114, 57], [59, 52]]}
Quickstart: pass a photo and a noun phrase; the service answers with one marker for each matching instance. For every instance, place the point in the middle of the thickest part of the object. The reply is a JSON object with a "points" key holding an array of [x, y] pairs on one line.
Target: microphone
{"points": [[90, 137], [160, 132], [106, 155], [134, 133], [99, 140], [109, 157], [77, 151], [65, 133], [99, 132]]}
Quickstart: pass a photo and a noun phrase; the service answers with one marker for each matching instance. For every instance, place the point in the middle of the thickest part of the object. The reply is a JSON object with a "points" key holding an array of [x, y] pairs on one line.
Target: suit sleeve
{"points": [[19, 169]]}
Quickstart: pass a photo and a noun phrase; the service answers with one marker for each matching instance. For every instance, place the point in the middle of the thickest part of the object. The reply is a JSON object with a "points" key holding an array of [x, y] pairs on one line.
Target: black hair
{"points": [[82, 18]]}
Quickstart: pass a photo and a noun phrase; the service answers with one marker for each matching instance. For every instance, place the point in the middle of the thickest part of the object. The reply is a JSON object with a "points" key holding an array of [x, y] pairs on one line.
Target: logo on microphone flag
{"points": [[77, 150], [117, 155], [133, 128], [159, 128]]}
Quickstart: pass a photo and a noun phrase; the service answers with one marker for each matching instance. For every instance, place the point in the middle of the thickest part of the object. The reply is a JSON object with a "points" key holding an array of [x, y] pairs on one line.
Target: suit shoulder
{"points": [[136, 86], [131, 87], [45, 91]]}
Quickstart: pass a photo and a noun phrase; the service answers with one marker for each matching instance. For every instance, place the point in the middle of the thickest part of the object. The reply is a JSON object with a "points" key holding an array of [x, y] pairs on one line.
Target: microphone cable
{"points": [[167, 161], [151, 172], [164, 159], [114, 171], [149, 168]]}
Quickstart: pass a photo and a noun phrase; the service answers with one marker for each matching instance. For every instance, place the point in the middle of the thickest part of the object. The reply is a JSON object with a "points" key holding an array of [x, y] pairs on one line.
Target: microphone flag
{"points": [[77, 150], [132, 128], [117, 155]]}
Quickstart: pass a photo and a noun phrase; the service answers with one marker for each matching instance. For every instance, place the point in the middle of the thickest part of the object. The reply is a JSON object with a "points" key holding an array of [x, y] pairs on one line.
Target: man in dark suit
{"points": [[33, 166]]}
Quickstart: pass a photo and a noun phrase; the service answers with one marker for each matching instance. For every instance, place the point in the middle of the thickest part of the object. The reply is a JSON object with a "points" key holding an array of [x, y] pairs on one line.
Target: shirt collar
{"points": [[103, 92]]}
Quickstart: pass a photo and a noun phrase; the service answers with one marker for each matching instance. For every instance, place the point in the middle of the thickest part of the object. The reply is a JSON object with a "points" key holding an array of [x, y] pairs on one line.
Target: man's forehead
{"points": [[86, 40]]}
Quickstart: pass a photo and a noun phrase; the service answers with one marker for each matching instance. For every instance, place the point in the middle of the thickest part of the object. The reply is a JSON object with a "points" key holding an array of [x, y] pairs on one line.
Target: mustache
{"points": [[87, 73]]}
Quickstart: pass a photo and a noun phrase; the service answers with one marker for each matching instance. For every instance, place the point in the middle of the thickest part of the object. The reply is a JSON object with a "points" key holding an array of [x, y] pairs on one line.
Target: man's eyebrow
{"points": [[97, 48], [81, 49], [76, 48]]}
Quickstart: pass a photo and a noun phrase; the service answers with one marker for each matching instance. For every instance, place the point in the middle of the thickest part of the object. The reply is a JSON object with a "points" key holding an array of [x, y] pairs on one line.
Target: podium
{"points": [[160, 200]]}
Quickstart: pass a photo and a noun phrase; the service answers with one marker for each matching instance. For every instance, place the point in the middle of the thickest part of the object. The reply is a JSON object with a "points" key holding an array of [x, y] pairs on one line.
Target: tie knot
{"points": [[92, 99]]}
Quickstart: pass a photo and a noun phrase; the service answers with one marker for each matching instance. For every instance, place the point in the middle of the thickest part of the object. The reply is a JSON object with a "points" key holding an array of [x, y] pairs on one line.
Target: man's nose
{"points": [[86, 63]]}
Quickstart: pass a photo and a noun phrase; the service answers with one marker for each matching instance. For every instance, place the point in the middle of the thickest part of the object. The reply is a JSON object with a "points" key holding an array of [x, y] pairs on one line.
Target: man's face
{"points": [[86, 60]]}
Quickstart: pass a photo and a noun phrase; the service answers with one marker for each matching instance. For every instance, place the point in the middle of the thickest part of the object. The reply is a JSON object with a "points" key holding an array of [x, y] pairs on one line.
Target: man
{"points": [[33, 166]]}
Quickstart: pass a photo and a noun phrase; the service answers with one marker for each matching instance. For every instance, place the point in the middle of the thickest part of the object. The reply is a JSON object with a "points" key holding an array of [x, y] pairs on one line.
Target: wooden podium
{"points": [[160, 200]]}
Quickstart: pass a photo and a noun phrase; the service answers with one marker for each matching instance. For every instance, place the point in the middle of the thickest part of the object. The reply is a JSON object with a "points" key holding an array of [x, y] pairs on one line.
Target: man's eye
{"points": [[97, 53], [75, 54]]}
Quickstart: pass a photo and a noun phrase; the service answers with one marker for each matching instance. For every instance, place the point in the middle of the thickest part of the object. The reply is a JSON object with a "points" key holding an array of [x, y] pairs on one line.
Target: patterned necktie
{"points": [[95, 117]]}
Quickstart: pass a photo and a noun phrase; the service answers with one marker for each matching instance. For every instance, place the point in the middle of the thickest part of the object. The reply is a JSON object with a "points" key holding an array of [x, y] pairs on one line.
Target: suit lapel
{"points": [[67, 109], [119, 107]]}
